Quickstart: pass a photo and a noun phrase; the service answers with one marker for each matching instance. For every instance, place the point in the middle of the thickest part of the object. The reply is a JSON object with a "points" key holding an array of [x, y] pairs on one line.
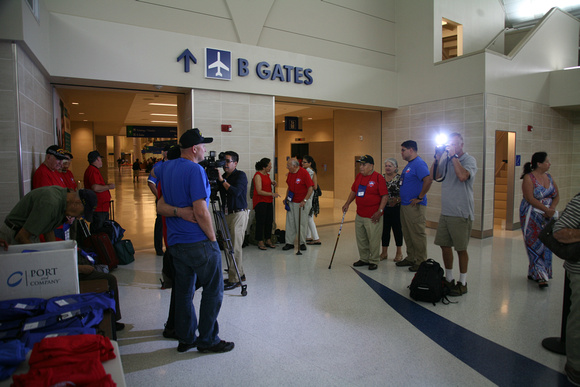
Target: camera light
{"points": [[441, 139]]}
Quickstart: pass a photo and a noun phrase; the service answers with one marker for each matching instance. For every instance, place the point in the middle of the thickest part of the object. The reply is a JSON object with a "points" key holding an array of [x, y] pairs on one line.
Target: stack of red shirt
{"points": [[68, 359]]}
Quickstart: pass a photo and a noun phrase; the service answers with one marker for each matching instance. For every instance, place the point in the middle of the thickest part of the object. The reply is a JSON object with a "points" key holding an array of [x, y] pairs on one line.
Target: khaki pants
{"points": [[413, 225], [368, 239], [237, 223], [292, 222]]}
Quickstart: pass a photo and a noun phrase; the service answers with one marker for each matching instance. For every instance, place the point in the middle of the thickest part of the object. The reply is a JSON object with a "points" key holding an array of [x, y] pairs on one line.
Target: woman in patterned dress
{"points": [[537, 207], [392, 214]]}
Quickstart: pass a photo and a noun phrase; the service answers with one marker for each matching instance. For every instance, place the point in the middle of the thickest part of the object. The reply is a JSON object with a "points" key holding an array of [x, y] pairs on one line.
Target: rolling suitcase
{"points": [[101, 245]]}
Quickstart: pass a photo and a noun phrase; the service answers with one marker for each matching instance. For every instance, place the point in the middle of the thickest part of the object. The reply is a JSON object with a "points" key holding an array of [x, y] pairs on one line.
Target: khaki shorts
{"points": [[453, 231]]}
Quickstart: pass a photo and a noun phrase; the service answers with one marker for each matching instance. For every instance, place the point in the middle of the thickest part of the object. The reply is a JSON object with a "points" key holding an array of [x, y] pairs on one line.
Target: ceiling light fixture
{"points": [[163, 114], [75, 103], [165, 122], [162, 104]]}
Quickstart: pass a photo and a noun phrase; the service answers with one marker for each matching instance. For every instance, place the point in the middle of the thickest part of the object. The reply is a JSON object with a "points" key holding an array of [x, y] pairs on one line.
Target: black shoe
{"points": [[303, 247], [287, 247], [169, 334], [231, 285], [182, 347], [373, 266], [405, 262], [414, 268], [222, 346], [119, 326], [360, 263], [243, 278]]}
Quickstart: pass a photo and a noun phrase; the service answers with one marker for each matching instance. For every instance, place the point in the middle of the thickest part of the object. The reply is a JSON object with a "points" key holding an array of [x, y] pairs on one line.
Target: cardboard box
{"points": [[42, 270]]}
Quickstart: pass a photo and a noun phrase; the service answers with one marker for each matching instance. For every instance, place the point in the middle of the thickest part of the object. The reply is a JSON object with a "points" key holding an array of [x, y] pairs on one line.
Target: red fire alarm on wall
{"points": [[226, 128], [530, 128]]}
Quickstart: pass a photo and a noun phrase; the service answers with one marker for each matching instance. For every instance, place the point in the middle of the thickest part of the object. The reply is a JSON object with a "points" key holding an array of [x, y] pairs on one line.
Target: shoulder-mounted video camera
{"points": [[211, 165]]}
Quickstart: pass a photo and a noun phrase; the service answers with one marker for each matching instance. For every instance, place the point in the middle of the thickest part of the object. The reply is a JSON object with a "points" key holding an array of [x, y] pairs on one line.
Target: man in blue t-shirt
{"points": [[415, 183], [192, 243]]}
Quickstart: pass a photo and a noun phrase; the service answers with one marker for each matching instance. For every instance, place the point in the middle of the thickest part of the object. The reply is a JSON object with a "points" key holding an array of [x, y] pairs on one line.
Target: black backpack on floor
{"points": [[427, 285]]}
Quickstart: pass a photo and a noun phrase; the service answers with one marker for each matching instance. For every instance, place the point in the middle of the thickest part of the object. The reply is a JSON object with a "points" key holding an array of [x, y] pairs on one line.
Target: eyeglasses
{"points": [[229, 161]]}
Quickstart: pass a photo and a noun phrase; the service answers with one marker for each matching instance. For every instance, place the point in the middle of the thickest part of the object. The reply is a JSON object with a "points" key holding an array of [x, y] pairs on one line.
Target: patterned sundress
{"points": [[533, 221]]}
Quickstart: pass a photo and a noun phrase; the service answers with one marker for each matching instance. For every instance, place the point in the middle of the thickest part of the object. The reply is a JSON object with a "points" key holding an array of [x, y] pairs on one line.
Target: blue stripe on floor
{"points": [[499, 364]]}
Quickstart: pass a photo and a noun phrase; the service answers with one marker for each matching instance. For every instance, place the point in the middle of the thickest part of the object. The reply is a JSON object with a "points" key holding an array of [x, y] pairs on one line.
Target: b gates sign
{"points": [[218, 65]]}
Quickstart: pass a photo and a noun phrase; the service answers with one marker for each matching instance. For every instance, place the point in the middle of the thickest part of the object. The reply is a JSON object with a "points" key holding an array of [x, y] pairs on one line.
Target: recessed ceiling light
{"points": [[75, 103], [162, 104], [81, 113], [163, 114], [165, 122]]}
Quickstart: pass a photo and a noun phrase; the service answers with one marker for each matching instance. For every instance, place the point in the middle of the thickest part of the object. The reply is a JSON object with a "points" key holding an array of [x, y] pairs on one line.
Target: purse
{"points": [[568, 251]]}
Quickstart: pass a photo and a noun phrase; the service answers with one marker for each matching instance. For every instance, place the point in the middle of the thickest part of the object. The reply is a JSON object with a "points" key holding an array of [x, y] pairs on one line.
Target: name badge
{"points": [[361, 191]]}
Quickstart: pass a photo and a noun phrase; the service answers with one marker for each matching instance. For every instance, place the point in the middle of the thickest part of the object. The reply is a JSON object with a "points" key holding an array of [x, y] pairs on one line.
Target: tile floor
{"points": [[302, 324]]}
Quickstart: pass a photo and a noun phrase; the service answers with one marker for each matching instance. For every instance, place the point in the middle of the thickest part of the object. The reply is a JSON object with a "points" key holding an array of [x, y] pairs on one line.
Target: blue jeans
{"points": [[202, 260]]}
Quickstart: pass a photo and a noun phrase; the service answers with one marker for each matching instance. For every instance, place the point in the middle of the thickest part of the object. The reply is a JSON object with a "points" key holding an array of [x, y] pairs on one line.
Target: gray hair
{"points": [[294, 162], [394, 162]]}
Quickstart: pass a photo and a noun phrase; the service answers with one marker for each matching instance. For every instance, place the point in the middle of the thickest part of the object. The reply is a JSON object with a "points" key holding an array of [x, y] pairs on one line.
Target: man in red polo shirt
{"points": [[300, 187], [94, 181], [48, 173], [370, 190], [67, 175]]}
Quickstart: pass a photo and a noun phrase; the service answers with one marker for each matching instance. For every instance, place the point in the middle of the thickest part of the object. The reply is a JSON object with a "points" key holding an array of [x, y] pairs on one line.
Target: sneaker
{"points": [[222, 346], [183, 347], [360, 263], [458, 290], [573, 375], [414, 268], [405, 262], [373, 266], [287, 247], [449, 285]]}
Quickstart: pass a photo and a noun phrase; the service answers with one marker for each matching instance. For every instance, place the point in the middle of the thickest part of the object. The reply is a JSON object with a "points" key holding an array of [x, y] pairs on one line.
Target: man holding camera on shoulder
{"points": [[456, 171], [233, 188]]}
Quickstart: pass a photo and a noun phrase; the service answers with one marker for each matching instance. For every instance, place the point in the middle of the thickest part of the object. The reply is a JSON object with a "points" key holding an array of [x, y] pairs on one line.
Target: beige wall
{"points": [[349, 126], [553, 132]]}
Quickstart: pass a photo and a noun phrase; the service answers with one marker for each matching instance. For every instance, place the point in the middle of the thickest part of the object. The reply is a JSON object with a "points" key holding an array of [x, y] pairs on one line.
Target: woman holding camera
{"points": [[392, 214], [263, 198], [537, 207]]}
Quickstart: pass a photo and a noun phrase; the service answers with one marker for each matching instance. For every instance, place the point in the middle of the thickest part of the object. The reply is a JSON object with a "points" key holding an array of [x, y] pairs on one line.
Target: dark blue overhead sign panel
{"points": [[152, 131]]}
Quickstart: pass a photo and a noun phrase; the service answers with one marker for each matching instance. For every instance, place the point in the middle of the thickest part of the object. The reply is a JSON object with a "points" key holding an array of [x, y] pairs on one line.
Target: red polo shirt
{"points": [[298, 183], [44, 177], [93, 176], [369, 190]]}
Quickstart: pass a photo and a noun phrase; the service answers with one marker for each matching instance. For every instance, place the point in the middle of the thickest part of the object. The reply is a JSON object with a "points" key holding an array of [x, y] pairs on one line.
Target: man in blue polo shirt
{"points": [[415, 183], [192, 243]]}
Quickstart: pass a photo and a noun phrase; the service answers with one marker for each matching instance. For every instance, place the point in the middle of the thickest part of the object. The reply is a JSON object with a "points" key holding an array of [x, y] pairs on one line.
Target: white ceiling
{"points": [[111, 110]]}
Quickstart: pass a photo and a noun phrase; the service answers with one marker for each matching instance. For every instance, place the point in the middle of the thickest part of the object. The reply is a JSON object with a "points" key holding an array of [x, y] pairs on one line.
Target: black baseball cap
{"points": [[366, 159], [193, 137], [56, 152], [93, 156], [89, 199]]}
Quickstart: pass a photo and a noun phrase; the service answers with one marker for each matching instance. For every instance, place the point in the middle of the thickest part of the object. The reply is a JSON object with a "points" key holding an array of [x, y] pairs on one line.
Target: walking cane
{"points": [[337, 238], [299, 221]]}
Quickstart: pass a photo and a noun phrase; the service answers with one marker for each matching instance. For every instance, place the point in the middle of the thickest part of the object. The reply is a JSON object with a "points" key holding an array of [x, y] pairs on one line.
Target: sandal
{"points": [[270, 245], [262, 247], [313, 242], [542, 284], [398, 258]]}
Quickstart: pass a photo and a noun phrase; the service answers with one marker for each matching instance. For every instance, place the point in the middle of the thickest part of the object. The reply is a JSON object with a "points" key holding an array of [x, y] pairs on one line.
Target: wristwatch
{"points": [[381, 210], [174, 211], [455, 156]]}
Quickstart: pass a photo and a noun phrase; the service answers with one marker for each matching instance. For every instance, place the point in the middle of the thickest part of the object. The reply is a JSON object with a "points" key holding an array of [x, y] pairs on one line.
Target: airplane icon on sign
{"points": [[219, 64]]}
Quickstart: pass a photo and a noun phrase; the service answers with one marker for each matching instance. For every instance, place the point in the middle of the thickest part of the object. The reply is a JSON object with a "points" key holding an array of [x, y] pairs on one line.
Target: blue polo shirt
{"points": [[182, 183], [412, 181]]}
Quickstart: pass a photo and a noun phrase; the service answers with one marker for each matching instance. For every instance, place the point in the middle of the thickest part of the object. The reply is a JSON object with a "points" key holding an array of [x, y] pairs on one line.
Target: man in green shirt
{"points": [[42, 210]]}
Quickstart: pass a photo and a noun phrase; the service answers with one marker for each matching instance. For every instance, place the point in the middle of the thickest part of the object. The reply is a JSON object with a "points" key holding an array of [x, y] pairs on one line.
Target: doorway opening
{"points": [[452, 39], [504, 181]]}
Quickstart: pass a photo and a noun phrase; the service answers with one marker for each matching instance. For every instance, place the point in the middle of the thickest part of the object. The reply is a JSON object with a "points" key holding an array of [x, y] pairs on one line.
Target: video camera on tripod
{"points": [[211, 165]]}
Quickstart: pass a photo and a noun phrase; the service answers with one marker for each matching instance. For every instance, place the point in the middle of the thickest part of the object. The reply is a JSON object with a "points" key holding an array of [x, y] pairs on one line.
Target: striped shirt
{"points": [[570, 218]]}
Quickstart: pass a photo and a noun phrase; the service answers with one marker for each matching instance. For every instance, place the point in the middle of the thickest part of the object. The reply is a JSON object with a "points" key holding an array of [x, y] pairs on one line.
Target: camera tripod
{"points": [[224, 237]]}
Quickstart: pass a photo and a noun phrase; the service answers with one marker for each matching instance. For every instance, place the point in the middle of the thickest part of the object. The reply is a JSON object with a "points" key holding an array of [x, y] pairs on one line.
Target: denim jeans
{"points": [[200, 260]]}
